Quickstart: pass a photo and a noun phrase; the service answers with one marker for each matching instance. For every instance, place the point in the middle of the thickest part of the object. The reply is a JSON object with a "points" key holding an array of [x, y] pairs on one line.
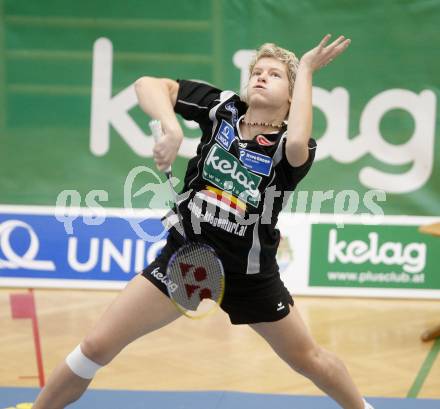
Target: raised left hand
{"points": [[322, 55]]}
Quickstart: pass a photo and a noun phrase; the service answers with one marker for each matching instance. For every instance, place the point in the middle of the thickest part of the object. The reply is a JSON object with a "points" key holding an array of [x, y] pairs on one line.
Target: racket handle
{"points": [[156, 130]]}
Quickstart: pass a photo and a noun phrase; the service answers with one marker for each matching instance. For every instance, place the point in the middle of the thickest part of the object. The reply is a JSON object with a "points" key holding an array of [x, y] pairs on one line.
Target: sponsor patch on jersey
{"points": [[263, 141], [207, 215], [225, 135], [225, 171], [224, 200], [230, 106], [256, 162]]}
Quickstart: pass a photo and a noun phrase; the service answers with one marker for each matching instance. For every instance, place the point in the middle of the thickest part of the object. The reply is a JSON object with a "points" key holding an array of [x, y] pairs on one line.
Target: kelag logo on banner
{"points": [[37, 246], [373, 256]]}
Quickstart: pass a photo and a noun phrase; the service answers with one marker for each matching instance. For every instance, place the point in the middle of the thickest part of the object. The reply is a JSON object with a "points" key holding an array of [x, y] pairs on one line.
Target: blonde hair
{"points": [[281, 54]]}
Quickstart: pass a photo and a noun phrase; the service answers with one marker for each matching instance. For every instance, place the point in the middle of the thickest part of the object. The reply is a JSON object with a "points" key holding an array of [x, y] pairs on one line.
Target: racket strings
{"points": [[196, 274]]}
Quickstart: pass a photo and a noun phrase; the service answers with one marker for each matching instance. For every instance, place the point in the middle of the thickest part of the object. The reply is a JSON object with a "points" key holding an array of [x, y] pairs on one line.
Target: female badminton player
{"points": [[251, 149]]}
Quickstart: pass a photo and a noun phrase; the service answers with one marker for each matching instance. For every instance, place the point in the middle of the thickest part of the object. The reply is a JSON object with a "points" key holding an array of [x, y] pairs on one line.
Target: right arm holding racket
{"points": [[157, 98], [194, 271]]}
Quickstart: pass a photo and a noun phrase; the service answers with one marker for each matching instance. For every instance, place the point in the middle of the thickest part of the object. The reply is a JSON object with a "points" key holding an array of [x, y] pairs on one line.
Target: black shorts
{"points": [[248, 299]]}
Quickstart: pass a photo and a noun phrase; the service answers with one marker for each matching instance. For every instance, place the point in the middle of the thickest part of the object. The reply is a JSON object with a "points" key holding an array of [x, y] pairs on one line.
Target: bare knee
{"points": [[97, 349], [306, 362], [315, 362]]}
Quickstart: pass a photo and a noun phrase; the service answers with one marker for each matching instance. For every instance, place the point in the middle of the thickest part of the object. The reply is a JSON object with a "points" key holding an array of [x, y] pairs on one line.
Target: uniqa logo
{"points": [[412, 257], [227, 164], [27, 260]]}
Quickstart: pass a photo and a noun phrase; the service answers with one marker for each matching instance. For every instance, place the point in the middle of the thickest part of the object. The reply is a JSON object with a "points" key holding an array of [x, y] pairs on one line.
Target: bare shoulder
{"points": [[173, 89], [147, 82]]}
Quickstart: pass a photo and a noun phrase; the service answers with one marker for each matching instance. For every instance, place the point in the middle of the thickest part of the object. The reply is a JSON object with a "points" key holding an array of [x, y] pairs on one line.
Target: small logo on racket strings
{"points": [[190, 273], [164, 279]]}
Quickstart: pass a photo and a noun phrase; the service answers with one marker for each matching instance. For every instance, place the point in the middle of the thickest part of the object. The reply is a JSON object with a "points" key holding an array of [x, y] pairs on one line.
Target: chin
{"points": [[258, 99]]}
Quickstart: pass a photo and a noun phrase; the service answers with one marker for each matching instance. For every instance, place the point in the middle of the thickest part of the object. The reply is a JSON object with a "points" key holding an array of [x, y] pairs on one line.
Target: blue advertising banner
{"points": [[37, 249]]}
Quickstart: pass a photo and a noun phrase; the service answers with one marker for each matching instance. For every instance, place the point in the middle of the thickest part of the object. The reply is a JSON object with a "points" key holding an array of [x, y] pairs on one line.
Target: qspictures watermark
{"points": [[223, 212]]}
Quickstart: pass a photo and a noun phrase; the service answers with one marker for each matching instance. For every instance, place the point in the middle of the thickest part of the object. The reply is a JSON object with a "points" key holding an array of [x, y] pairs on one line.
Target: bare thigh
{"points": [[138, 310], [290, 339]]}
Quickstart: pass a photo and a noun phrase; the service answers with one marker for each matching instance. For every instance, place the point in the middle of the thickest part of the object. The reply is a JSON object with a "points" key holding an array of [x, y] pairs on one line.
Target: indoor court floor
{"points": [[210, 363]]}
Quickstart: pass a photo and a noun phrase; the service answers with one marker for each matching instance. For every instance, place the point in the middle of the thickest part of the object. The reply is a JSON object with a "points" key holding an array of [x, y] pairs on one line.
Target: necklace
{"points": [[266, 124]]}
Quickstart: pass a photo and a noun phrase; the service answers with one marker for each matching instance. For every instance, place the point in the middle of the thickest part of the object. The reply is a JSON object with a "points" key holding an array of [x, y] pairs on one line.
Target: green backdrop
{"points": [[46, 57]]}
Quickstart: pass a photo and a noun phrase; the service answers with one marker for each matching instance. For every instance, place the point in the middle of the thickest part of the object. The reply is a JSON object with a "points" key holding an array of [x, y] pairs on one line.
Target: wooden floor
{"points": [[377, 339]]}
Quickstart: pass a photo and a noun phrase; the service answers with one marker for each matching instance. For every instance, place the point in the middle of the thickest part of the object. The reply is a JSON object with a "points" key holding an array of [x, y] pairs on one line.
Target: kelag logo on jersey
{"points": [[256, 162], [225, 135], [37, 247], [226, 172]]}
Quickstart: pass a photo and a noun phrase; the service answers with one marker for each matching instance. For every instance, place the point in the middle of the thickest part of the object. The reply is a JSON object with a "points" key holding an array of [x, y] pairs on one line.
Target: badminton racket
{"points": [[195, 273]]}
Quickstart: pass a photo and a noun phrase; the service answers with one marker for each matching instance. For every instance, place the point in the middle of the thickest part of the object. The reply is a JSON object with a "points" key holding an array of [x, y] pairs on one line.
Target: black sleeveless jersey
{"points": [[234, 189]]}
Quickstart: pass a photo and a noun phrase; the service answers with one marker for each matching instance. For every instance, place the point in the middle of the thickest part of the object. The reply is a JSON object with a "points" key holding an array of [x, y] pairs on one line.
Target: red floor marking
{"points": [[23, 306]]}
